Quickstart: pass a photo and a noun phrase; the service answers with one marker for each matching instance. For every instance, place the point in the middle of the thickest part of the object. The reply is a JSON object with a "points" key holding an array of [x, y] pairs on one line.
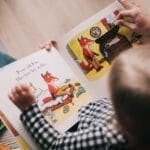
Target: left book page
{"points": [[58, 92], [9, 137]]}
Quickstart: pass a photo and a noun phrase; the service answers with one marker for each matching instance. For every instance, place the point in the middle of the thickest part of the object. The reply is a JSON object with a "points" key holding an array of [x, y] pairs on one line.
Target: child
{"points": [[101, 124], [129, 86]]}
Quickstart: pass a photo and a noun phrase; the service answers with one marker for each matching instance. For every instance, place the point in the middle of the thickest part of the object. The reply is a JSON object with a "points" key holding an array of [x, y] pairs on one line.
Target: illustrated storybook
{"points": [[9, 137], [98, 45], [59, 93], [66, 79]]}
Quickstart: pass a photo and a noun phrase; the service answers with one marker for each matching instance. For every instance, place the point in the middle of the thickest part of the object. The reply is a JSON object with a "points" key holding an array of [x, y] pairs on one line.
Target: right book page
{"points": [[94, 44]]}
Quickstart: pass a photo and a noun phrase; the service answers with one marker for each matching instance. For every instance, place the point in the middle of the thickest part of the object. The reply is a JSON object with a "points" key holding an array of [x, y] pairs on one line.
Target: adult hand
{"points": [[138, 22]]}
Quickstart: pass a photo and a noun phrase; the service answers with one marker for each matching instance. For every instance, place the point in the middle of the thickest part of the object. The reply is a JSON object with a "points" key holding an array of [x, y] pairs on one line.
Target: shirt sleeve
{"points": [[49, 138]]}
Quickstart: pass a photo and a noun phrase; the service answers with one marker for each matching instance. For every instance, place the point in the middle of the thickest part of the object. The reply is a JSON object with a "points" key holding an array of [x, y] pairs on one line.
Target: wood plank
{"points": [[24, 24]]}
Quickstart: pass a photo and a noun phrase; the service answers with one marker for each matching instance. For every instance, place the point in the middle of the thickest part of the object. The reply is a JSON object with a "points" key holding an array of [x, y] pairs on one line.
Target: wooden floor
{"points": [[24, 24]]}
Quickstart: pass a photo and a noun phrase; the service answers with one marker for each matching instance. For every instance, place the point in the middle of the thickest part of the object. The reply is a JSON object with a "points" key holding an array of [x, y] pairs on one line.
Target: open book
{"points": [[63, 81], [9, 137]]}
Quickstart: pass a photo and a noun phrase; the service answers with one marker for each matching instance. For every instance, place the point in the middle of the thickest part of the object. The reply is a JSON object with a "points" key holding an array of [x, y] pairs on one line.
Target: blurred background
{"points": [[24, 24]]}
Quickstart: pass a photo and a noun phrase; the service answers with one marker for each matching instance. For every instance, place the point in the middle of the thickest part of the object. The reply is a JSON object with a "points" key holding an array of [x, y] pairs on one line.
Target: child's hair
{"points": [[130, 91]]}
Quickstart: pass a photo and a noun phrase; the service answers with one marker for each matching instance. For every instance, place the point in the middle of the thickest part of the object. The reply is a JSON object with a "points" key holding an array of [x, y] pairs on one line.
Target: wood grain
{"points": [[24, 24]]}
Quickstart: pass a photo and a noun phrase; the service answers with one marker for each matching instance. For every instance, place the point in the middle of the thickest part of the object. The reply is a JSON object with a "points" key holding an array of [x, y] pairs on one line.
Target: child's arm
{"points": [[44, 134], [139, 21], [48, 138]]}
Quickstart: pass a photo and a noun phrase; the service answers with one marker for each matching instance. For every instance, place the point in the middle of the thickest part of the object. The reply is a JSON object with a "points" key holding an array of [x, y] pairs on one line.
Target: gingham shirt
{"points": [[96, 129]]}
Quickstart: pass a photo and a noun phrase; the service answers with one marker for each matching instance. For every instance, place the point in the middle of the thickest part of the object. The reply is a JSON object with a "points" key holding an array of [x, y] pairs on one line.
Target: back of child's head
{"points": [[130, 91]]}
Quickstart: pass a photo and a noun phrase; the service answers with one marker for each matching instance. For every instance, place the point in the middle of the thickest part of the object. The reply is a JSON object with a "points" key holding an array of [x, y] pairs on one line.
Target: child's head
{"points": [[130, 91]]}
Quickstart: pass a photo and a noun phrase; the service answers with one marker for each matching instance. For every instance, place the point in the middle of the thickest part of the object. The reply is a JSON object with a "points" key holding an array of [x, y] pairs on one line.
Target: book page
{"points": [[91, 47], [59, 94], [9, 137]]}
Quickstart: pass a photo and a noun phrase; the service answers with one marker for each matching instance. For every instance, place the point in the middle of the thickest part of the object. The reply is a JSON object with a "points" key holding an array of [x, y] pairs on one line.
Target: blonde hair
{"points": [[130, 91]]}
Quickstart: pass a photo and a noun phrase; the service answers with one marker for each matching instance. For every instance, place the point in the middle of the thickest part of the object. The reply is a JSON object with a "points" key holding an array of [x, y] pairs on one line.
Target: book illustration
{"points": [[89, 55], [96, 47], [9, 137], [112, 43], [57, 95], [57, 91]]}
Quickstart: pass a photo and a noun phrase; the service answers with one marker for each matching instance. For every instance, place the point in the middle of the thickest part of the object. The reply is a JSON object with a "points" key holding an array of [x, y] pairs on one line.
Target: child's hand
{"points": [[48, 45], [138, 21], [22, 97]]}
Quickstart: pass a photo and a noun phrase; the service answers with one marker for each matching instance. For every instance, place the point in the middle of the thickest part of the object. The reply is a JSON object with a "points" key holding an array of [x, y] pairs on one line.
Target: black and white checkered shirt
{"points": [[96, 130]]}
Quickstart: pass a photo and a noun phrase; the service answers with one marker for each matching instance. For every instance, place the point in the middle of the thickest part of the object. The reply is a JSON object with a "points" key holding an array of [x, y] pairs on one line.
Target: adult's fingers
{"points": [[126, 13], [126, 4], [130, 25]]}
